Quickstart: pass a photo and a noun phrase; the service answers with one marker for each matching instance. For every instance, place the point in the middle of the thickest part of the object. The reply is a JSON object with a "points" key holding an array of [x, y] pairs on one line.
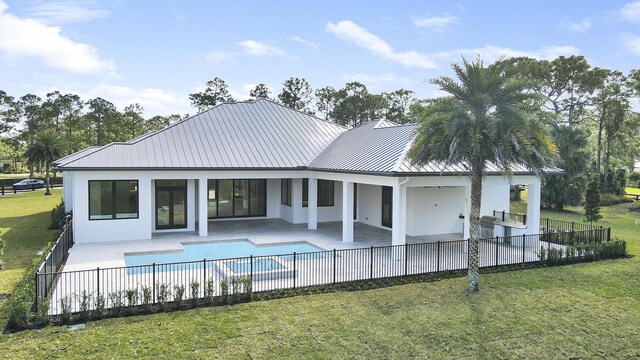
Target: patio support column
{"points": [[533, 207], [467, 212], [203, 220], [312, 205], [398, 221], [347, 211]]}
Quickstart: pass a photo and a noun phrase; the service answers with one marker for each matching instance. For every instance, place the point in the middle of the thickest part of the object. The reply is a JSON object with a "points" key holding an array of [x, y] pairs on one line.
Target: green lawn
{"points": [[578, 311], [14, 176], [24, 222]]}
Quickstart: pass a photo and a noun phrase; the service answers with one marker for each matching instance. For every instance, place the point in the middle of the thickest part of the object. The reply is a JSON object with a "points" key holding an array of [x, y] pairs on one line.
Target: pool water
{"points": [[244, 266], [219, 250]]}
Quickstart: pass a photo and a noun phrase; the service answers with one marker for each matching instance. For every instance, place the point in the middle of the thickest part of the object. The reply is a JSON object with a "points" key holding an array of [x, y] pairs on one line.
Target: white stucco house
{"points": [[261, 160]]}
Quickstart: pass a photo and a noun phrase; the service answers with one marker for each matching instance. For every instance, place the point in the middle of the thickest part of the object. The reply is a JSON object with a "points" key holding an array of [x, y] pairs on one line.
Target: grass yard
{"points": [[578, 311], [14, 176], [24, 222]]}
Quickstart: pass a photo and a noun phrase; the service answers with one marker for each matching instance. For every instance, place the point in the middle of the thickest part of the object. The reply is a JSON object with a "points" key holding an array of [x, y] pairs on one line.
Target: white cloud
{"points": [[29, 37], [305, 42], [631, 11], [491, 53], [242, 94], [370, 79], [581, 26], [218, 56], [437, 23], [155, 101], [632, 43], [349, 31], [68, 11], [257, 48]]}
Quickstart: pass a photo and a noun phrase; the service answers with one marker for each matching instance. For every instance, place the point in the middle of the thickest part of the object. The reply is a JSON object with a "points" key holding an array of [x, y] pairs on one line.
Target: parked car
{"points": [[28, 184]]}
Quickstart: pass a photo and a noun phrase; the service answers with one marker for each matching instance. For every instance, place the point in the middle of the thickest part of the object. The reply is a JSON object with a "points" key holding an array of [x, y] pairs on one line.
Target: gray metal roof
{"points": [[76, 155], [262, 134], [375, 146], [253, 134]]}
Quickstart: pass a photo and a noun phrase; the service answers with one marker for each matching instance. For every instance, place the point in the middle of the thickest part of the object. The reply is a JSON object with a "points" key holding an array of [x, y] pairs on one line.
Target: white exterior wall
{"points": [[67, 191], [423, 217], [435, 210], [86, 230]]}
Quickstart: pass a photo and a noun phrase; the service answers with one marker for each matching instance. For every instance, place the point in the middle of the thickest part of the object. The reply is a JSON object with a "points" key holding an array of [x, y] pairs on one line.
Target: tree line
{"points": [[587, 109], [350, 106]]}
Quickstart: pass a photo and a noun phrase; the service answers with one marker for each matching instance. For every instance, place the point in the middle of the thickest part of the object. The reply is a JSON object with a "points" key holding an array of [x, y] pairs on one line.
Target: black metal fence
{"points": [[48, 272], [88, 290], [559, 226], [509, 217]]}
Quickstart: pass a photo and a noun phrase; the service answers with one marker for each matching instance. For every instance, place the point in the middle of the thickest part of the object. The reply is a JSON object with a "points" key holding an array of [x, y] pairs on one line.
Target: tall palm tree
{"points": [[483, 120], [45, 148]]}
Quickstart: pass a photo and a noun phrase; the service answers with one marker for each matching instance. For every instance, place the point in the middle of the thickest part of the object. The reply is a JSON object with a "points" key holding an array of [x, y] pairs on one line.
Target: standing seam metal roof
{"points": [[262, 134], [256, 134]]}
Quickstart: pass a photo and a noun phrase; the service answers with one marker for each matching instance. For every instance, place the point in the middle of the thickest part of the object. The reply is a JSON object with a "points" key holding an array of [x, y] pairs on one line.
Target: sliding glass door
{"points": [[237, 198], [171, 204]]}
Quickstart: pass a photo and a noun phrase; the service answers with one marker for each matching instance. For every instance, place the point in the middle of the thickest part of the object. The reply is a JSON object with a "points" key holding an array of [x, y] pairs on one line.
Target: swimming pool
{"points": [[218, 250]]}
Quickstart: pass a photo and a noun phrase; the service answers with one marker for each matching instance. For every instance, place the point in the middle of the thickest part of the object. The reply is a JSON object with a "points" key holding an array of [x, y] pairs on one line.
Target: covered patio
{"points": [[328, 235]]}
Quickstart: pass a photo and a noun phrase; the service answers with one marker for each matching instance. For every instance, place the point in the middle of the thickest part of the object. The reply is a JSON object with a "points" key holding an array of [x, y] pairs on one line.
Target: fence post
{"points": [[608, 234], [37, 289], [204, 273], [547, 225], [153, 279], [251, 268], [294, 270], [496, 251], [334, 265], [371, 262], [523, 247], [524, 219], [98, 281], [438, 257], [406, 259]]}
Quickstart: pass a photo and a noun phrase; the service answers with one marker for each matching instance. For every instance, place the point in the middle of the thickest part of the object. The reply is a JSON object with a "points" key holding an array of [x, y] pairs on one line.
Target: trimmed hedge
{"points": [[584, 252]]}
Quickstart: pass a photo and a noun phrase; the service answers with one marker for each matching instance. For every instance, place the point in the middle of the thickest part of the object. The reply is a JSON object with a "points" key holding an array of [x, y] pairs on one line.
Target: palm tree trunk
{"points": [[46, 180], [474, 229]]}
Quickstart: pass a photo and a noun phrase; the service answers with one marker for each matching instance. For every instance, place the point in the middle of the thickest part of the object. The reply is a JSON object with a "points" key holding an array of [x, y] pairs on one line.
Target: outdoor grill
{"points": [[487, 224]]}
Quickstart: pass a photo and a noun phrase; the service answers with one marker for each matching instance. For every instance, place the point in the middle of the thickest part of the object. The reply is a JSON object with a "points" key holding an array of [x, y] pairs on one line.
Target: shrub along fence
{"points": [[47, 272], [97, 293]]}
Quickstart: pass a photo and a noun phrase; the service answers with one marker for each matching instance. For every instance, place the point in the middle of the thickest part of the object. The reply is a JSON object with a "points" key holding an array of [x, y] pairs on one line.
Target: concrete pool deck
{"points": [[84, 256]]}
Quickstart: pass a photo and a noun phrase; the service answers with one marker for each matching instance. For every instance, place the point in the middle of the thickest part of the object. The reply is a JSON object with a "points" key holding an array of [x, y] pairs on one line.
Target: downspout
{"points": [[404, 207]]}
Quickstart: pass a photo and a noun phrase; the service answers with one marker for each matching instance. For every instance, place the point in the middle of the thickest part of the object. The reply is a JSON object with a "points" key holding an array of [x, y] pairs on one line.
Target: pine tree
{"points": [[592, 201]]}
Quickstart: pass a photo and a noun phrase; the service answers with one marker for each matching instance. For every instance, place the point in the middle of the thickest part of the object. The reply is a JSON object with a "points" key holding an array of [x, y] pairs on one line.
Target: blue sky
{"points": [[157, 52]]}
